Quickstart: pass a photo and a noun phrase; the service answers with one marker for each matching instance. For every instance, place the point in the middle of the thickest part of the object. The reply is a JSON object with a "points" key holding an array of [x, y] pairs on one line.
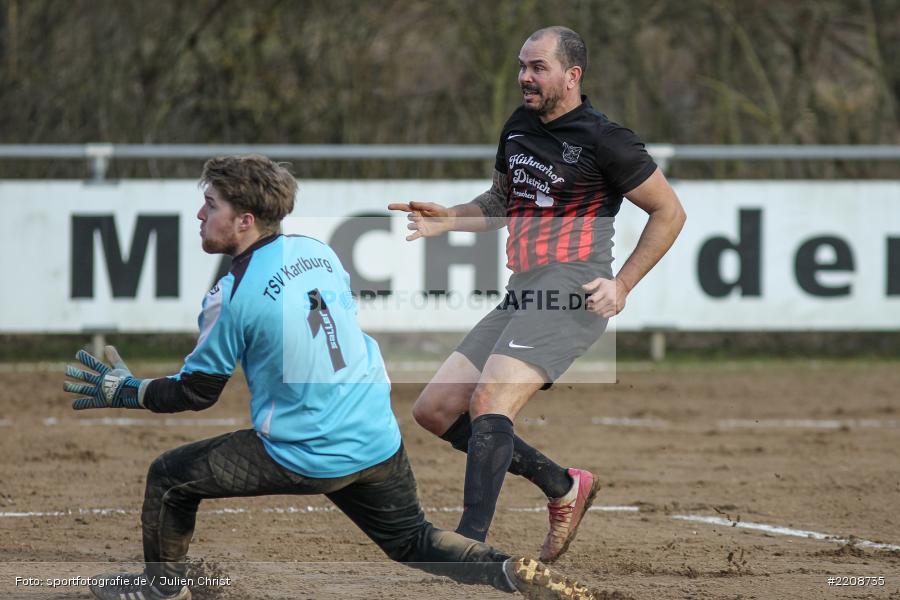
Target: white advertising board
{"points": [[754, 255]]}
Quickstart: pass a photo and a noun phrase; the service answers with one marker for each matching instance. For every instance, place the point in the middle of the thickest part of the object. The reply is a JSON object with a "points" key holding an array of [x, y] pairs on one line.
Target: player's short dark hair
{"points": [[570, 49], [253, 183]]}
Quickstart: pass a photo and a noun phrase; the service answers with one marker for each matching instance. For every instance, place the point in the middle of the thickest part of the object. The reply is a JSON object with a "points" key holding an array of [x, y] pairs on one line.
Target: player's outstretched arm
{"points": [[487, 212], [104, 387], [657, 198]]}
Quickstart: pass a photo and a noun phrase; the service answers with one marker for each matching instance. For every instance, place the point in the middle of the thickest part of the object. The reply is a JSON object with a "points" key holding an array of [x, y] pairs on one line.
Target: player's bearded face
{"points": [[541, 99], [218, 224], [542, 76]]}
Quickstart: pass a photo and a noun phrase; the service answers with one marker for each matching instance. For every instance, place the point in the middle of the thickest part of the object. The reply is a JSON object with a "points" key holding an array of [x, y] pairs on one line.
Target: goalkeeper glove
{"points": [[107, 388]]}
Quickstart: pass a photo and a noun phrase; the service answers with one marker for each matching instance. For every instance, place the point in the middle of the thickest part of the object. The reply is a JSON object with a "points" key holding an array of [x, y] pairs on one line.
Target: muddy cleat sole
{"points": [[567, 512], [131, 586], [536, 581]]}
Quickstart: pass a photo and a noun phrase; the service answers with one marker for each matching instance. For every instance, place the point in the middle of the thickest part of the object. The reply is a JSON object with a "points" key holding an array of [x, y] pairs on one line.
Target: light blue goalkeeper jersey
{"points": [[320, 396]]}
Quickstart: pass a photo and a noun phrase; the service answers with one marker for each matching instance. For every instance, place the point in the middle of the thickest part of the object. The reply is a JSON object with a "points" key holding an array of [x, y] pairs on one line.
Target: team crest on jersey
{"points": [[571, 153]]}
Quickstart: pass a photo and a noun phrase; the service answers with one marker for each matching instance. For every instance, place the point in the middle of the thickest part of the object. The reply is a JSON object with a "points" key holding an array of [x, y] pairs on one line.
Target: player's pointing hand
{"points": [[426, 219], [607, 297]]}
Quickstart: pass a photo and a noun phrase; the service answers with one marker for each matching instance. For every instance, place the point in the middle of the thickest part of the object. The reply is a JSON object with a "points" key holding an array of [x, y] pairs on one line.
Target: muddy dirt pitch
{"points": [[727, 481]]}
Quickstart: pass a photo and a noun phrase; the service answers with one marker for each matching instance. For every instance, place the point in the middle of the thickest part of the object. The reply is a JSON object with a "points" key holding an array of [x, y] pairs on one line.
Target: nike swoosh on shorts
{"points": [[514, 345]]}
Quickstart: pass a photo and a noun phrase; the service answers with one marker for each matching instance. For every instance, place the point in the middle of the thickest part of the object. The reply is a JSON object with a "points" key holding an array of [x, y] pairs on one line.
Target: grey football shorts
{"points": [[542, 320]]}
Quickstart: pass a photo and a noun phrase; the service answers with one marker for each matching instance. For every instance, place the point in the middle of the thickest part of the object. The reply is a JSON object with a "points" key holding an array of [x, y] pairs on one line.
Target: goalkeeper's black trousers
{"points": [[381, 500]]}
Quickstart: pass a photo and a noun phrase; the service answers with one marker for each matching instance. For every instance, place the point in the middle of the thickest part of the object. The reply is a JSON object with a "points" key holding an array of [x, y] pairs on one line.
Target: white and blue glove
{"points": [[107, 388]]}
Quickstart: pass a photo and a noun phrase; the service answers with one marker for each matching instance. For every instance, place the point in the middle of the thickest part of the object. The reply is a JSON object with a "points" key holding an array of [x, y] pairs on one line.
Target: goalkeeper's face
{"points": [[219, 223]]}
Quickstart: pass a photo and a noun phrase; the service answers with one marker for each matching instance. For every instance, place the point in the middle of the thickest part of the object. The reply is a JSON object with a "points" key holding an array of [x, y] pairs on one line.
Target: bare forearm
{"points": [[485, 212], [659, 234], [469, 217], [657, 198]]}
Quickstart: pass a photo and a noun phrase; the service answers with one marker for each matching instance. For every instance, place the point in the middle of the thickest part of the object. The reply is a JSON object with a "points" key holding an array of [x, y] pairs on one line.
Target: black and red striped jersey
{"points": [[566, 182]]}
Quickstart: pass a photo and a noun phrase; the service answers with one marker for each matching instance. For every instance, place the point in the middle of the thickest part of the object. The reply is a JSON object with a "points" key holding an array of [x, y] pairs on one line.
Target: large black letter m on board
{"points": [[124, 273]]}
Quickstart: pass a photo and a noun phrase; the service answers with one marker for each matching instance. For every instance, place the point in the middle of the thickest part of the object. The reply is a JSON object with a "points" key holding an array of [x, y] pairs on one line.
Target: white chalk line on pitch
{"points": [[807, 423], [772, 529], [776, 529], [275, 510], [136, 422], [646, 423], [652, 423]]}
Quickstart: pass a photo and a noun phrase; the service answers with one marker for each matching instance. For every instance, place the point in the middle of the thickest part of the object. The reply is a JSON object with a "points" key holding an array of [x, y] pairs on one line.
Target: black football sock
{"points": [[527, 461], [489, 455]]}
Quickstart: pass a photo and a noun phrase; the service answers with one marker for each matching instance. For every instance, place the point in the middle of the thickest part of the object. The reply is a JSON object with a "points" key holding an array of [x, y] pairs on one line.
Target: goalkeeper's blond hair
{"points": [[253, 183]]}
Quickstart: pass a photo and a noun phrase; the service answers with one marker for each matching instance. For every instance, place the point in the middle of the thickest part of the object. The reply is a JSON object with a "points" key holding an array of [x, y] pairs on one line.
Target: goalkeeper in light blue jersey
{"points": [[320, 403]]}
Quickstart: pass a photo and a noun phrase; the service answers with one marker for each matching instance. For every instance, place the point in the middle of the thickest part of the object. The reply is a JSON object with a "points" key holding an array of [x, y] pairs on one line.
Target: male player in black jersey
{"points": [[561, 172]]}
